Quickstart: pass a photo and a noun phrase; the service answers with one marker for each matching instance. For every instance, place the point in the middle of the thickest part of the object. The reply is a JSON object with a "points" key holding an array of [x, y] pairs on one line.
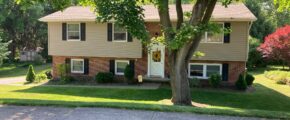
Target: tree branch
{"points": [[179, 12], [192, 46], [198, 11], [209, 11], [163, 11]]}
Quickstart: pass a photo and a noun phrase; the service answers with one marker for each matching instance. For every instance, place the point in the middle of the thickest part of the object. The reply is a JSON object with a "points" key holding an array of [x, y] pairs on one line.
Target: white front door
{"points": [[156, 61]]}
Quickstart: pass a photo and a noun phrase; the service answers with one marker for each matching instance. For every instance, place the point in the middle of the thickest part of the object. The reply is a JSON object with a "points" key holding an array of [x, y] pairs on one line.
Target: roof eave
{"points": [[146, 20]]}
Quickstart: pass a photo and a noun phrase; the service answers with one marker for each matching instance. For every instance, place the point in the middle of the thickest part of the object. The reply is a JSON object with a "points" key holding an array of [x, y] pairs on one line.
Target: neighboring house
{"points": [[31, 55], [89, 47]]}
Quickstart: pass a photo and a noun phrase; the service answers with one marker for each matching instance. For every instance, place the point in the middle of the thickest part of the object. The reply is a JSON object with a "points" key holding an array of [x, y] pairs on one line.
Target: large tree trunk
{"points": [[179, 58], [181, 94]]}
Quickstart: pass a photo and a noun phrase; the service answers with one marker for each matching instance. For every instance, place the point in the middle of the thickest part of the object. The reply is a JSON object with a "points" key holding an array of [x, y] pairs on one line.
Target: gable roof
{"points": [[234, 12]]}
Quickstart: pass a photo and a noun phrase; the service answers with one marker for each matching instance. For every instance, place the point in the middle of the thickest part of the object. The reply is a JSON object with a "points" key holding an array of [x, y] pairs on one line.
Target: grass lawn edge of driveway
{"points": [[154, 107]]}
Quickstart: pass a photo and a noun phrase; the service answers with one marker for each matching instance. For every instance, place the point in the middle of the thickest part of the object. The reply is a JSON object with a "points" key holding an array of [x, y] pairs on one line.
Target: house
{"points": [[31, 54], [90, 47]]}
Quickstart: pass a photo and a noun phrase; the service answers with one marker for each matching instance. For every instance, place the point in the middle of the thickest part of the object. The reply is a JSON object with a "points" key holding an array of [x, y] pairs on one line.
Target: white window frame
{"points": [[73, 31], [206, 34], [71, 62], [204, 69], [113, 33], [116, 61]]}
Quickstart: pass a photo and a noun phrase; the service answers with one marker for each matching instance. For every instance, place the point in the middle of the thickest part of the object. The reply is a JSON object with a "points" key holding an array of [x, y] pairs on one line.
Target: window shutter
{"points": [[227, 36], [83, 31], [110, 31], [132, 65], [112, 66], [130, 39], [64, 32], [86, 66], [225, 71], [67, 65]]}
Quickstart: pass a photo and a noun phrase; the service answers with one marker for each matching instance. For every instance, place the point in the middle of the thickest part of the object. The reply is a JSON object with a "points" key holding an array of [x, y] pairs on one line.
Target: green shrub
{"points": [[249, 79], [194, 82], [104, 77], [62, 70], [215, 80], [30, 76], [67, 79], [48, 74], [40, 77], [255, 57], [282, 81], [281, 77], [241, 83], [129, 74]]}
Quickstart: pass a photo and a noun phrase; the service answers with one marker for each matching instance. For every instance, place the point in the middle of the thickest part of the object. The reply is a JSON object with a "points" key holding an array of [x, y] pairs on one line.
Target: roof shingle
{"points": [[234, 12]]}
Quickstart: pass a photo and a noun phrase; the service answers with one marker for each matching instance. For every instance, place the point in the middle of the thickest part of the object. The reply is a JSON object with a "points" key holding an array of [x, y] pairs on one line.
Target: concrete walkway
{"points": [[61, 113], [12, 80]]}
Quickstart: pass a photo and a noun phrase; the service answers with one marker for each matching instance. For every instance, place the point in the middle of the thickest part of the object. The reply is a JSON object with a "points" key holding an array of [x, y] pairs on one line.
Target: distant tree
{"points": [[20, 25], [277, 45], [3, 50], [255, 58], [264, 24], [270, 16]]}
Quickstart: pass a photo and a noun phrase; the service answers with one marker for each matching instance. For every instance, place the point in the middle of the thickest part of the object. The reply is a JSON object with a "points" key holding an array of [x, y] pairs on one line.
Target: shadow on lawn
{"points": [[263, 98], [123, 94]]}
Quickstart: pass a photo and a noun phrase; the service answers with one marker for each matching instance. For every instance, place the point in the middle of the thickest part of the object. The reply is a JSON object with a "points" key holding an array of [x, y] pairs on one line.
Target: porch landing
{"points": [[155, 79]]}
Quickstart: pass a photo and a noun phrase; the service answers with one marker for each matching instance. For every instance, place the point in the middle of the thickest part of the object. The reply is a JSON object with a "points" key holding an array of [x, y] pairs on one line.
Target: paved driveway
{"points": [[60, 113], [12, 80]]}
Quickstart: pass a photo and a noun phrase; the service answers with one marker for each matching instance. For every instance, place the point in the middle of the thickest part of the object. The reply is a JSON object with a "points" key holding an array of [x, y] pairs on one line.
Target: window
{"points": [[73, 32], [120, 66], [200, 70], [119, 34], [210, 37], [77, 66], [196, 70], [212, 69]]}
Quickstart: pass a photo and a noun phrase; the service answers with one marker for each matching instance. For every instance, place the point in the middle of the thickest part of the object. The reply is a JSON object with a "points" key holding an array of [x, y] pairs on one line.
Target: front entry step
{"points": [[155, 79]]}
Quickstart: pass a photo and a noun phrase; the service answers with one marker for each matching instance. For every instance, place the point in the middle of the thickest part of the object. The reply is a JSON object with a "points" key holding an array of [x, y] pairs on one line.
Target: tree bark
{"points": [[181, 94], [179, 59]]}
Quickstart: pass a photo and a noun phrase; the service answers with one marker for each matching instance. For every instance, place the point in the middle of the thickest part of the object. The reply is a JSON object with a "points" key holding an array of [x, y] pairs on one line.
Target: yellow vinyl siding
{"points": [[96, 44], [236, 50]]}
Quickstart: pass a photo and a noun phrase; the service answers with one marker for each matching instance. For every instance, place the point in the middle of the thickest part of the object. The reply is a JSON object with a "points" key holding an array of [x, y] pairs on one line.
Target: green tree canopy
{"points": [[269, 15], [20, 25], [3, 50]]}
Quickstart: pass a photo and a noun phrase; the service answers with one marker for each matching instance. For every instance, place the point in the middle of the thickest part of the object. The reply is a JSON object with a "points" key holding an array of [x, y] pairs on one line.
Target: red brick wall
{"points": [[56, 61], [235, 69], [98, 64]]}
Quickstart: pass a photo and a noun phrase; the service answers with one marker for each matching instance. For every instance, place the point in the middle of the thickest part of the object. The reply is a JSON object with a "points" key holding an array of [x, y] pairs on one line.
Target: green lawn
{"points": [[269, 100], [18, 70]]}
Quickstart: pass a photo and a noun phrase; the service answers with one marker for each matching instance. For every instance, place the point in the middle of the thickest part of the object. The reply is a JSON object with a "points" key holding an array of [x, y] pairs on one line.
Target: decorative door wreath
{"points": [[156, 56]]}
